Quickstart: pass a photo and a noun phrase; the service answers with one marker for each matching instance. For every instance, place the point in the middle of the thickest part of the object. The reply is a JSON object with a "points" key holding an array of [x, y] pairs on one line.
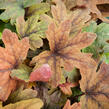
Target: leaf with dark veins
{"points": [[78, 17], [65, 51], [33, 29], [11, 56], [95, 86]]}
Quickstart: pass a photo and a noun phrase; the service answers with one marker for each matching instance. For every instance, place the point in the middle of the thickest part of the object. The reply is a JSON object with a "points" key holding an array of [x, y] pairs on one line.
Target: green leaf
{"points": [[38, 9], [21, 73], [105, 58], [34, 103], [6, 25], [72, 76], [33, 29], [100, 45], [14, 8]]}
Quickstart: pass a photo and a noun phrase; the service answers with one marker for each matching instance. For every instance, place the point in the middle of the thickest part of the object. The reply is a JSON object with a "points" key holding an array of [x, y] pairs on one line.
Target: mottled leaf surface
{"points": [[65, 51], [33, 29], [14, 8], [100, 45], [21, 73], [11, 56], [95, 86]]}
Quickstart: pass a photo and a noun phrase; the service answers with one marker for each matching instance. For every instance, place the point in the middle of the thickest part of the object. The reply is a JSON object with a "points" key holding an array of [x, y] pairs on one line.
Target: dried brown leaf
{"points": [[11, 56]]}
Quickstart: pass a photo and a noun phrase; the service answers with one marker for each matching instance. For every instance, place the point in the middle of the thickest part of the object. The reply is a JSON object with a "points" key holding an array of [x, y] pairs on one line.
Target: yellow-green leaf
{"points": [[21, 73], [33, 29], [26, 104]]}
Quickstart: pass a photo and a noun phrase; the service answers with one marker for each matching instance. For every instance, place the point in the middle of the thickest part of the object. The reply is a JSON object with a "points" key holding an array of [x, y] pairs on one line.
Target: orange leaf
{"points": [[65, 51], [41, 74], [78, 18], [11, 56], [95, 86], [73, 106], [66, 88]]}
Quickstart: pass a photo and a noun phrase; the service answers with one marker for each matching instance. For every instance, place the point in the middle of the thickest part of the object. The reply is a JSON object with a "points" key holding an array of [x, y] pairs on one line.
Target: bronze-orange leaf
{"points": [[65, 51], [95, 86], [11, 56]]}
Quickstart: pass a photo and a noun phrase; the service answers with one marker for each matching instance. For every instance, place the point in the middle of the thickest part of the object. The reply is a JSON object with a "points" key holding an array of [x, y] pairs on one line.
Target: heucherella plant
{"points": [[54, 54]]}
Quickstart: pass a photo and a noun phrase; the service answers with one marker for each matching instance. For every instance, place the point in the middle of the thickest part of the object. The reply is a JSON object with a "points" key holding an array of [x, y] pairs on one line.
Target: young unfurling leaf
{"points": [[95, 86], [65, 51], [11, 56], [33, 29], [73, 106], [42, 73]]}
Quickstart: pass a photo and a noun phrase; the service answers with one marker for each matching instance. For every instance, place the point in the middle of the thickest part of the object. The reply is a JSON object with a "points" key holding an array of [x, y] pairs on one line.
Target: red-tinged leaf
{"points": [[73, 106], [11, 56], [41, 74], [66, 88]]}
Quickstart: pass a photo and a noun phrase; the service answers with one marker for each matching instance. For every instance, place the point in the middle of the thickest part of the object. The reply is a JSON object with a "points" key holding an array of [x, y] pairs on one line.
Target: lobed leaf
{"points": [[101, 45], [65, 51], [11, 56], [21, 73], [60, 13], [14, 8], [95, 86], [33, 29], [92, 6]]}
